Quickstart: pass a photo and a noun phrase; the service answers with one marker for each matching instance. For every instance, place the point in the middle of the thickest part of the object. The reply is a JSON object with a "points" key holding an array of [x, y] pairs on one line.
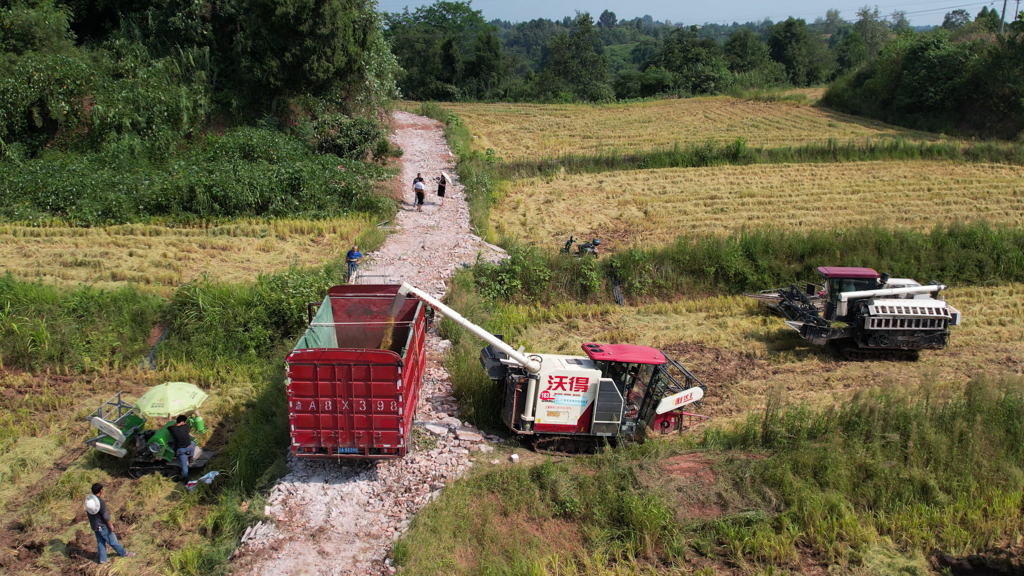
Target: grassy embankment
{"points": [[838, 474], [67, 350], [228, 277]]}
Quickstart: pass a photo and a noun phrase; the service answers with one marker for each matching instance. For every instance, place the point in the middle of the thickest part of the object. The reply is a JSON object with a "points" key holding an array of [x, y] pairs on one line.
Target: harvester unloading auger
{"points": [[573, 403], [869, 315]]}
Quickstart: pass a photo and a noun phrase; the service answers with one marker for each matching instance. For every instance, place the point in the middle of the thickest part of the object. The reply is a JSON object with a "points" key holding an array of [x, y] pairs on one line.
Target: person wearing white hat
{"points": [[99, 519]]}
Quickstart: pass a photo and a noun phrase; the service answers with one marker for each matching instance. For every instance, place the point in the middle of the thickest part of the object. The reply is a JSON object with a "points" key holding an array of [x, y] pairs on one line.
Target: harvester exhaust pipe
{"points": [[531, 365]]}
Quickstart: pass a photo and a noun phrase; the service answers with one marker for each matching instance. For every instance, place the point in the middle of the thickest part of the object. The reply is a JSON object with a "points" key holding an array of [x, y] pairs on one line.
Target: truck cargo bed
{"points": [[347, 398]]}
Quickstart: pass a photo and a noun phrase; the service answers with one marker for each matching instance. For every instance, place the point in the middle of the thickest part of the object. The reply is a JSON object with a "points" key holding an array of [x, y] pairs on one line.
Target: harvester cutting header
{"points": [[868, 314]]}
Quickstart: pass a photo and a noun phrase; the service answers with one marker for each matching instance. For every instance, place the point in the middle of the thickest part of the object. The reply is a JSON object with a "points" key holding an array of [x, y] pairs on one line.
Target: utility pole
{"points": [[1003, 19]]}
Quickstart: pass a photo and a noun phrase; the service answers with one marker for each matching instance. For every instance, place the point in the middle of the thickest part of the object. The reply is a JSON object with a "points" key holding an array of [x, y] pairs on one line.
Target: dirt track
{"points": [[332, 518]]}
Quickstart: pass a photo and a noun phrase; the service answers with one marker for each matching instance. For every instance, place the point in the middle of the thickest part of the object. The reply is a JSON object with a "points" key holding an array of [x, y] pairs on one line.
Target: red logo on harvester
{"points": [[567, 384], [684, 399]]}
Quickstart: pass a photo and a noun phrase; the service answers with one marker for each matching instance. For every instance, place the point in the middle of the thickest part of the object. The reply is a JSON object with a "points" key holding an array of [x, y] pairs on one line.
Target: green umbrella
{"points": [[170, 399]]}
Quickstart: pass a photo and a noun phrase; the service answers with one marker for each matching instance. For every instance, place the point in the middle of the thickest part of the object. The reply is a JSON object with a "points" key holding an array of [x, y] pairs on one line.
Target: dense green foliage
{"points": [[245, 172], [128, 112], [448, 52], [447, 47], [42, 326], [936, 82]]}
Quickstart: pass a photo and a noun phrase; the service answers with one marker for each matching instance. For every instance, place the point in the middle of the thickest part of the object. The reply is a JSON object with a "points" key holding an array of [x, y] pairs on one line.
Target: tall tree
{"points": [[956, 19], [744, 51], [872, 29], [290, 47], [433, 44], [607, 19], [698, 64], [575, 63]]}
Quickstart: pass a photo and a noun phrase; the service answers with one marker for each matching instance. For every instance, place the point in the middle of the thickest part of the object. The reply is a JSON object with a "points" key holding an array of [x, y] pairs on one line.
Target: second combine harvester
{"points": [[866, 314]]}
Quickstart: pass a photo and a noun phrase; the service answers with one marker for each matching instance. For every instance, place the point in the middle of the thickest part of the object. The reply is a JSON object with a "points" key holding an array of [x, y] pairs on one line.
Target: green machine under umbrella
{"points": [[118, 422]]}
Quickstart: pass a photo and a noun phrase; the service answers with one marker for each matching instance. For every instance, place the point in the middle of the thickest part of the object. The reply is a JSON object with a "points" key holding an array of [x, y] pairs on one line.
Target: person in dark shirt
{"points": [[184, 447], [354, 257], [99, 520], [441, 183]]}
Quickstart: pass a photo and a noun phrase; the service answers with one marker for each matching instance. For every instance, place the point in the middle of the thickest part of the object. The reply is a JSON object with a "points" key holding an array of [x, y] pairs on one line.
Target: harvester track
{"points": [[889, 355], [567, 445]]}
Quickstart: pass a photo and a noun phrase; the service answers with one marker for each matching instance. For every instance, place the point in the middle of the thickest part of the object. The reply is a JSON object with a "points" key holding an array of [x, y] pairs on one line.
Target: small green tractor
{"points": [[122, 427]]}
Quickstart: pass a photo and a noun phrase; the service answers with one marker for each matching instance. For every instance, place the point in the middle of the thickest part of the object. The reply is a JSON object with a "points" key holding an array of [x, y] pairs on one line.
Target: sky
{"points": [[919, 12]]}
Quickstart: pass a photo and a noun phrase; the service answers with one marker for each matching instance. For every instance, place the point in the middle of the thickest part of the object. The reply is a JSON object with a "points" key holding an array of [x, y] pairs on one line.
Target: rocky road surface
{"points": [[332, 518]]}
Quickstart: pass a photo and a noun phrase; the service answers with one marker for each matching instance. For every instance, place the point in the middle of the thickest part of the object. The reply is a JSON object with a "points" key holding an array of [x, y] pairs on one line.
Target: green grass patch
{"points": [[247, 172], [70, 331], [752, 260], [869, 486]]}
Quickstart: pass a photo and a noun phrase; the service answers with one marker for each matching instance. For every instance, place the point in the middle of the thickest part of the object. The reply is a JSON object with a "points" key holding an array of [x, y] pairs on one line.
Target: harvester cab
{"points": [[653, 388], [571, 403]]}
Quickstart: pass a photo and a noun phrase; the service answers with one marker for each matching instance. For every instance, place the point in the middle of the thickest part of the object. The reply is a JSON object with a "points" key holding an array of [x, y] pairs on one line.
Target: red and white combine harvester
{"points": [[574, 403]]}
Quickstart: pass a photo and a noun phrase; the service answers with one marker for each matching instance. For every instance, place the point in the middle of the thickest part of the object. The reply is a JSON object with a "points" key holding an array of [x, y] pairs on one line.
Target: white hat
{"points": [[92, 504]]}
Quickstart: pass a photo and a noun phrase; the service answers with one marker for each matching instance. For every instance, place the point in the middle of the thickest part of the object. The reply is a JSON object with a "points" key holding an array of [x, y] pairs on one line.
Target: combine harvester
{"points": [[866, 314], [353, 380]]}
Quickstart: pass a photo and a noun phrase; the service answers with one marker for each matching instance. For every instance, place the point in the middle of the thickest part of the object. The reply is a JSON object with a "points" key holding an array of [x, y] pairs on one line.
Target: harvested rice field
{"points": [[652, 207], [534, 131], [743, 354], [165, 256]]}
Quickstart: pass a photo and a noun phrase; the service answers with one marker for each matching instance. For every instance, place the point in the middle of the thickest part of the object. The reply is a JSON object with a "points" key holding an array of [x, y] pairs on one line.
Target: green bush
{"points": [[933, 82], [245, 172]]}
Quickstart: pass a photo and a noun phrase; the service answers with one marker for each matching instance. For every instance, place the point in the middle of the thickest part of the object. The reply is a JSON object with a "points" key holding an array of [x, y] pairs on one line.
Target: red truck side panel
{"points": [[356, 401]]}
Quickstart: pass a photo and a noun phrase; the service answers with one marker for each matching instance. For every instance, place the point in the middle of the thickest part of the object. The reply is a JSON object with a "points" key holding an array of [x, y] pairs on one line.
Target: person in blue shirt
{"points": [[353, 258]]}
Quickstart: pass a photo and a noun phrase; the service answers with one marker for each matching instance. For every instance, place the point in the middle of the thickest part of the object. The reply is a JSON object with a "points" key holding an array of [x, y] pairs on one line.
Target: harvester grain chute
{"points": [[867, 314], [573, 403]]}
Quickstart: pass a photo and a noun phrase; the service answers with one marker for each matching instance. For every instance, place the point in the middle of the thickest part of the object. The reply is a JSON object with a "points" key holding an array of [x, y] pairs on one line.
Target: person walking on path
{"points": [[417, 187], [441, 183], [354, 257], [99, 520], [184, 447]]}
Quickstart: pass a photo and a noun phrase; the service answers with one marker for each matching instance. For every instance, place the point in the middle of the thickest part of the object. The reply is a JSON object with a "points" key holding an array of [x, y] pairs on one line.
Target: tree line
{"points": [[449, 52]]}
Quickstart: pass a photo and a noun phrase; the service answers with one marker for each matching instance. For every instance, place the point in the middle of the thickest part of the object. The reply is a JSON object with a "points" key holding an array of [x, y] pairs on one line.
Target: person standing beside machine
{"points": [[184, 447]]}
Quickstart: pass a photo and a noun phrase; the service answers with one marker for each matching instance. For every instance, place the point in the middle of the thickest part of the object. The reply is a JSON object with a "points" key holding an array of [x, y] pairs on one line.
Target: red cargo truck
{"points": [[347, 397]]}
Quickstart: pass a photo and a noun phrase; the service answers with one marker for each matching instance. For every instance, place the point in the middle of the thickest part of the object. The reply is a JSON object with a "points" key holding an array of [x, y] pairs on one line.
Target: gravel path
{"points": [[331, 518]]}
